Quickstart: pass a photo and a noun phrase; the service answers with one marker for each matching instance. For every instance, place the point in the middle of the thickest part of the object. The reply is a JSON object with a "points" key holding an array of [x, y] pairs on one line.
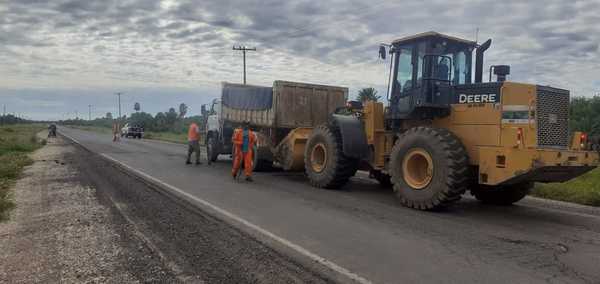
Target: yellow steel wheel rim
{"points": [[417, 168], [318, 157]]}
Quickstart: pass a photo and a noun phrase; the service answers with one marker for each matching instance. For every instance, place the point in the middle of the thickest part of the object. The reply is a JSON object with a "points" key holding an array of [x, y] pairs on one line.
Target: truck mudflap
{"points": [[499, 166], [354, 139]]}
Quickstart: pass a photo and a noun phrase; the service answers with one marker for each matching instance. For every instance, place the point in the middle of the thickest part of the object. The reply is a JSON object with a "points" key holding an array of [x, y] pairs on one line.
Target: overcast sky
{"points": [[59, 56]]}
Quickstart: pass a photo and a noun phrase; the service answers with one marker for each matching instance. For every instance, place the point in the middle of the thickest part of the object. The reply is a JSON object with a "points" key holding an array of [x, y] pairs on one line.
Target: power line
{"points": [[244, 49]]}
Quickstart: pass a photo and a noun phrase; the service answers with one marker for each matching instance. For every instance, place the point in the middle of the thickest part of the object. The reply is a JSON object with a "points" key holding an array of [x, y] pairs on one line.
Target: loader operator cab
{"points": [[424, 68]]}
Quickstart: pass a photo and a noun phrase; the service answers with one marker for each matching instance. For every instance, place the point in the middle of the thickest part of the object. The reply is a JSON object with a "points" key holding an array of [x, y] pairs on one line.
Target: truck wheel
{"points": [[429, 168], [259, 163], [502, 195], [212, 152], [324, 161]]}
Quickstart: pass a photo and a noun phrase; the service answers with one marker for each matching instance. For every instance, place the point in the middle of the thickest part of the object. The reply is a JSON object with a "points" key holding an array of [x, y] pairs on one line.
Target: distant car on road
{"points": [[132, 131]]}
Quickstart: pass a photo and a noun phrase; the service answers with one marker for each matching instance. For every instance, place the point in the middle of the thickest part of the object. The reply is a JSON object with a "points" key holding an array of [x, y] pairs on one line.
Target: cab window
{"points": [[404, 75]]}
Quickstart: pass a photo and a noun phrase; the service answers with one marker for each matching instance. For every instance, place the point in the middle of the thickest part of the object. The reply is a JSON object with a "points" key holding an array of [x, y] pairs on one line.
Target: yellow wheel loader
{"points": [[445, 131]]}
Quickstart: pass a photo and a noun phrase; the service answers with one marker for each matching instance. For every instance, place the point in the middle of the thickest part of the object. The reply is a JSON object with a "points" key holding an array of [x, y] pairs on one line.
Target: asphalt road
{"points": [[364, 231]]}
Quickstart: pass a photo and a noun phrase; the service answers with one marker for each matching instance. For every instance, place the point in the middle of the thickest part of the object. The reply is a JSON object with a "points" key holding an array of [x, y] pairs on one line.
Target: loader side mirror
{"points": [[382, 52]]}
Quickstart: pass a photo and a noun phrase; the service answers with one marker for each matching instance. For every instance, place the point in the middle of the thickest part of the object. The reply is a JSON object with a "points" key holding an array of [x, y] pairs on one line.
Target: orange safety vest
{"points": [[193, 134], [238, 138]]}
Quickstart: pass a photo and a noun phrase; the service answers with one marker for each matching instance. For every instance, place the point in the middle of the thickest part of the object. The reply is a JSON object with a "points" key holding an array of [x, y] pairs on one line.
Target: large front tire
{"points": [[429, 168], [324, 161], [502, 195]]}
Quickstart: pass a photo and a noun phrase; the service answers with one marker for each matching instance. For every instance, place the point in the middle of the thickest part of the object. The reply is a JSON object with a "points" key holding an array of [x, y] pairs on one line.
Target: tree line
{"points": [[172, 120], [585, 115]]}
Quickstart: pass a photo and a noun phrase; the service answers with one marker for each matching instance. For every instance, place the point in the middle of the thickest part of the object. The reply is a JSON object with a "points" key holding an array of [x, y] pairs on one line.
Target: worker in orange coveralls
{"points": [[244, 141]]}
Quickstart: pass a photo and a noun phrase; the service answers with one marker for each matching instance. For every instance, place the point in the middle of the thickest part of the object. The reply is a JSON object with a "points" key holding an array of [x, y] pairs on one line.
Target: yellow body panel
{"points": [[381, 140], [475, 125]]}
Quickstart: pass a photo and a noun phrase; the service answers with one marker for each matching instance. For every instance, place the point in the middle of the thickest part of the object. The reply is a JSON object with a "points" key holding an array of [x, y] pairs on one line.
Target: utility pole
{"points": [[119, 95], [76, 114], [89, 112], [244, 49]]}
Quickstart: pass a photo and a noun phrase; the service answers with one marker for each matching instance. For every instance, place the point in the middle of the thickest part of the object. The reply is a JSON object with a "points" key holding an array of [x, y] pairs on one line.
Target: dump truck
{"points": [[282, 115], [445, 132]]}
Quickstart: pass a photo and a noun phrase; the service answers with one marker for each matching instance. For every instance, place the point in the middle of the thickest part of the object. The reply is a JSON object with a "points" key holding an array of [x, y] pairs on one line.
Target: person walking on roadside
{"points": [[244, 141], [116, 131], [193, 143]]}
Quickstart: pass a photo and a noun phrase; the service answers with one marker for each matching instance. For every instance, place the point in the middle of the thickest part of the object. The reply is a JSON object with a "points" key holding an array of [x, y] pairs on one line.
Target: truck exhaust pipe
{"points": [[479, 60]]}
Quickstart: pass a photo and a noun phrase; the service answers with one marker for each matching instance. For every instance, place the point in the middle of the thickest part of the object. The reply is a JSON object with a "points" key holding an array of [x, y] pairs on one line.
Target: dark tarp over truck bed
{"points": [[247, 97], [285, 105]]}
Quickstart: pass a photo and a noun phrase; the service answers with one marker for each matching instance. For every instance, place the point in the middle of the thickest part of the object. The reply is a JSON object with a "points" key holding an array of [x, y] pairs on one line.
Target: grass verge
{"points": [[583, 190], [15, 142], [163, 136]]}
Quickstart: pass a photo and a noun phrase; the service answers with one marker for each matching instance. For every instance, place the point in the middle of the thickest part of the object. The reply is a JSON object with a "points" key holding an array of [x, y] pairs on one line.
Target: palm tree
{"points": [[367, 94], [183, 108]]}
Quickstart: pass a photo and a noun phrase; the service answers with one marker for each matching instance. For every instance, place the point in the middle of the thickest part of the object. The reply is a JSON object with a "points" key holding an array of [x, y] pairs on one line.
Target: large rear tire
{"points": [[502, 195], [429, 168], [324, 161], [212, 149]]}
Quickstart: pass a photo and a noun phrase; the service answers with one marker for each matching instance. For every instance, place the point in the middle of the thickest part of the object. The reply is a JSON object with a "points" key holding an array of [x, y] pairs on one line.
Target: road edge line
{"points": [[299, 249], [280, 240]]}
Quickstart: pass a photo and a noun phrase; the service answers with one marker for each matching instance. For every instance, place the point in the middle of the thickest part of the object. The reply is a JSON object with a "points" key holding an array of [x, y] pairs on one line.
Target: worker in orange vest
{"points": [[193, 143], [243, 141]]}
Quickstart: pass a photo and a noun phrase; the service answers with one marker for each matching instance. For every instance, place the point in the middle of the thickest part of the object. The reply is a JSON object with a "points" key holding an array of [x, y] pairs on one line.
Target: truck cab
{"points": [[213, 118], [218, 131]]}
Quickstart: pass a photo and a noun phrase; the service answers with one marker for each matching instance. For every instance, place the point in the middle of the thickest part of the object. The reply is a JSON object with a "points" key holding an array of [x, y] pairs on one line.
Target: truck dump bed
{"points": [[285, 105]]}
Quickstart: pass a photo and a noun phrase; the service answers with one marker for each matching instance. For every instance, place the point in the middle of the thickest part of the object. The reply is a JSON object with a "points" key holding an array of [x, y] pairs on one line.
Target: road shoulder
{"points": [[61, 231]]}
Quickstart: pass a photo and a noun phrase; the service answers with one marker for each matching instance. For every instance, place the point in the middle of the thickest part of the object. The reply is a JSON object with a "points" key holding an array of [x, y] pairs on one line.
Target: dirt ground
{"points": [[60, 232]]}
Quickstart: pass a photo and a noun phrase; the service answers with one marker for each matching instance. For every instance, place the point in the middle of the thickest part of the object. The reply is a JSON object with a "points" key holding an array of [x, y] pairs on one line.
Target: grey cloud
{"points": [[137, 41]]}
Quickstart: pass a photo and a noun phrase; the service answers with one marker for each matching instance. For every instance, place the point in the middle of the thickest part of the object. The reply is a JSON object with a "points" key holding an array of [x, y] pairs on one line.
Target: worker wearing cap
{"points": [[193, 143], [243, 141]]}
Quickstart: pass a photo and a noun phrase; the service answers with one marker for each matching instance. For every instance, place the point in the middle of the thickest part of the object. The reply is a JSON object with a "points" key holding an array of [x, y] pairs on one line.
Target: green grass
{"points": [[583, 190], [15, 142], [163, 135]]}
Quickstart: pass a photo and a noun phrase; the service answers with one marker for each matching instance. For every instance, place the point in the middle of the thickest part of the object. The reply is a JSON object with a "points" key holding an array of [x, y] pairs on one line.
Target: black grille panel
{"points": [[552, 117]]}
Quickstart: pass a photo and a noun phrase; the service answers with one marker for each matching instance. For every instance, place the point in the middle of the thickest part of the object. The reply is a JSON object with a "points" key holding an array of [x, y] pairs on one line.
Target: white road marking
{"points": [[285, 242], [329, 264]]}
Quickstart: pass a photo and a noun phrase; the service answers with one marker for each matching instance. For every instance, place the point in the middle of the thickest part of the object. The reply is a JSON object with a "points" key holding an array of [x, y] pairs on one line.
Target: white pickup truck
{"points": [[132, 131]]}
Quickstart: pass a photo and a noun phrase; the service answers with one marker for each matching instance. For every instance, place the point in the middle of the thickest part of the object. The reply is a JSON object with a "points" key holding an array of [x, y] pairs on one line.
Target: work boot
{"points": [[188, 162], [249, 179], [198, 163]]}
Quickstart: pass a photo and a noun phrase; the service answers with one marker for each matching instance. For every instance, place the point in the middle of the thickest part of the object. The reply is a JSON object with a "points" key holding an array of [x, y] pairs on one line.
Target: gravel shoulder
{"points": [[62, 232], [80, 219]]}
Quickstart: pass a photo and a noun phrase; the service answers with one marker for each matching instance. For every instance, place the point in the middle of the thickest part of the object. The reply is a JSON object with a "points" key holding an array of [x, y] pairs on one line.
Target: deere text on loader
{"points": [[445, 131]]}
